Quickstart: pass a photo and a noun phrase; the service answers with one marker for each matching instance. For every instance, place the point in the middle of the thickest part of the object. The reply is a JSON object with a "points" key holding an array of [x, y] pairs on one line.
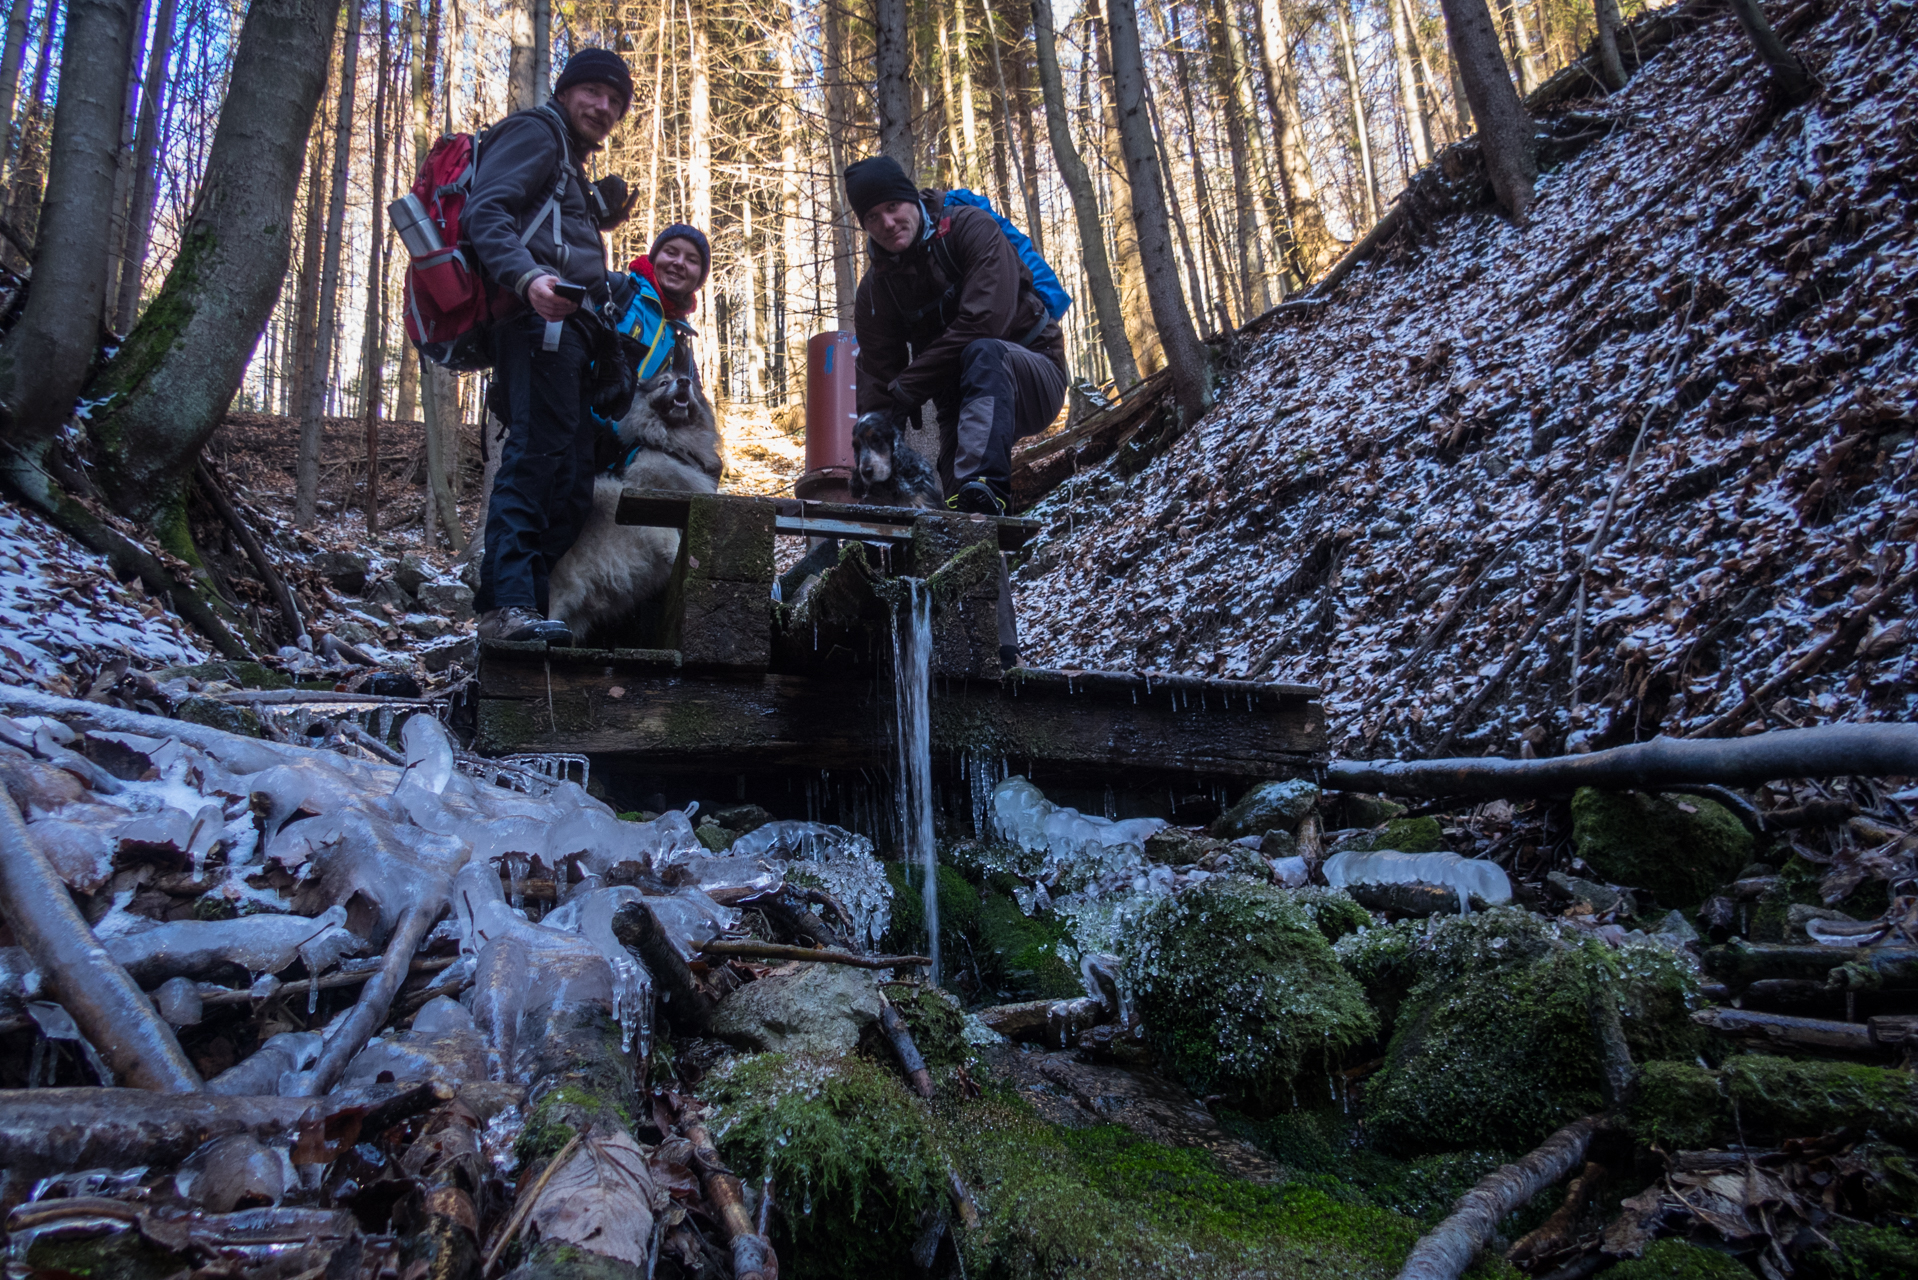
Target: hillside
{"points": [[1705, 330]]}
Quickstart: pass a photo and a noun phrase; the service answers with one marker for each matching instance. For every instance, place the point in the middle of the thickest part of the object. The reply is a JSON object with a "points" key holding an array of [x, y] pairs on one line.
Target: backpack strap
{"points": [[552, 205], [942, 255]]}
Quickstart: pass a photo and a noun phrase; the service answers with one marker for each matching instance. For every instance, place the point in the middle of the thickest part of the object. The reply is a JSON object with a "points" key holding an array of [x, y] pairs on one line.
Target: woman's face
{"points": [[676, 264]]}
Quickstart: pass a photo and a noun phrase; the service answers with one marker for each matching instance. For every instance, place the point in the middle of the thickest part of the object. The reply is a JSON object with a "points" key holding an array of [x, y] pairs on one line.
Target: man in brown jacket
{"points": [[946, 312]]}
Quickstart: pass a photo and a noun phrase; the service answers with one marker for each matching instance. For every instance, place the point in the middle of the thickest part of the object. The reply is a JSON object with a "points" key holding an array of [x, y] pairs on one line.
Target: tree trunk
{"points": [[1235, 94], [1135, 294], [1528, 78], [438, 389], [1788, 74], [700, 127], [542, 49], [146, 150], [1028, 153], [306, 482], [659, 106], [839, 117], [1310, 246], [522, 89], [30, 174], [1416, 125], [1201, 188], [1191, 376], [1368, 175], [1611, 67], [11, 57], [1196, 299], [373, 344], [1506, 134], [892, 92], [306, 298], [792, 275], [172, 379], [1085, 205], [44, 363], [123, 164], [968, 122], [1434, 104]]}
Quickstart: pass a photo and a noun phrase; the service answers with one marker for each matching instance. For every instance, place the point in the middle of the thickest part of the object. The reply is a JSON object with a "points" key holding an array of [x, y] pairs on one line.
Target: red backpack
{"points": [[451, 304]]}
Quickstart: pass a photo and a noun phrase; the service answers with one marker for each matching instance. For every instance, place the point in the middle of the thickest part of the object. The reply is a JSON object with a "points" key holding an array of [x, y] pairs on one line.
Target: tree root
{"points": [[106, 1003], [1446, 1250], [1825, 751]]}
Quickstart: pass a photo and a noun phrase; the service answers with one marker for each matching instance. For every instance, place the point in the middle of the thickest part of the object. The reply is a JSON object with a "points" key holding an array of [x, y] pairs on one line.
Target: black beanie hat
{"points": [[870, 183], [597, 66], [685, 231]]}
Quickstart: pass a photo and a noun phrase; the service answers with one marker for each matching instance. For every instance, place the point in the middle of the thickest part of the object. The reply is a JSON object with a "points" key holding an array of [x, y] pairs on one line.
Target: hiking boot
{"points": [[518, 625], [976, 498]]}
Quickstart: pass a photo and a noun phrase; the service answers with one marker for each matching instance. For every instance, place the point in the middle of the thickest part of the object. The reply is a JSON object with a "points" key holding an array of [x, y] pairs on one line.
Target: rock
{"points": [[388, 592], [715, 837], [427, 626], [470, 574], [389, 684], [411, 573], [1279, 844], [815, 1008], [1176, 847], [1243, 1018], [343, 570], [742, 818], [215, 714], [1018, 954], [1268, 805], [241, 675], [448, 599], [1407, 835], [1678, 1104], [355, 632], [440, 657], [1678, 847], [1601, 898]]}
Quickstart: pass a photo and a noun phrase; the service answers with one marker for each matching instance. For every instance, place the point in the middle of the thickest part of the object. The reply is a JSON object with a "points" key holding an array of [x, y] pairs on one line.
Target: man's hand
{"points": [[548, 304]]}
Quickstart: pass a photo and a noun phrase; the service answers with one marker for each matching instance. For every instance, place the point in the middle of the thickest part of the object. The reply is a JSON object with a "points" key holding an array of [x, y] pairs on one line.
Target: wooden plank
{"points": [[738, 721], [668, 509], [859, 530]]}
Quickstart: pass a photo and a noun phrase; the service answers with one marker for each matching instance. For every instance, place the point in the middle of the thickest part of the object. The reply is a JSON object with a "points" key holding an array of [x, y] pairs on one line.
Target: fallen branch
{"points": [[911, 1061], [90, 984], [1558, 1231], [1825, 751], [745, 950], [358, 1026], [687, 1000], [511, 1230], [1446, 1250], [753, 1257], [255, 553], [1812, 1033]]}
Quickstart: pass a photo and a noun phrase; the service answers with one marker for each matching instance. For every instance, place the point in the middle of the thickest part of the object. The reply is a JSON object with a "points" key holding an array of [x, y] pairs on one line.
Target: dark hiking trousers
{"points": [[1005, 393], [544, 487]]}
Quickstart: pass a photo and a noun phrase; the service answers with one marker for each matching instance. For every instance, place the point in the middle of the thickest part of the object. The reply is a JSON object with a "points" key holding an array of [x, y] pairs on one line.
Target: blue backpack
{"points": [[1044, 278], [644, 321]]}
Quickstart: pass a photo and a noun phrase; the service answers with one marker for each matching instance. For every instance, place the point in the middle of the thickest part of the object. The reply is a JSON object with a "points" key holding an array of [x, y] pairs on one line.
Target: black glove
{"points": [[612, 201]]}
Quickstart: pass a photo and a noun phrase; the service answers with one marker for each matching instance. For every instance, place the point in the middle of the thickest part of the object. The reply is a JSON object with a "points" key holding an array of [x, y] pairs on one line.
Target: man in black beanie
{"points": [[534, 220], [947, 312]]}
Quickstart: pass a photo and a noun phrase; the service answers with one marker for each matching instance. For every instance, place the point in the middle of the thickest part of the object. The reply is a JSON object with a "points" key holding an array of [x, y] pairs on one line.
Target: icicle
{"points": [[516, 881], [911, 664], [312, 995]]}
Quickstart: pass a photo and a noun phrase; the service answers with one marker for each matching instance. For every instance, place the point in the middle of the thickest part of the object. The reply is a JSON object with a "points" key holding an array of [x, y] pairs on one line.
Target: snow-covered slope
{"points": [[1731, 289]]}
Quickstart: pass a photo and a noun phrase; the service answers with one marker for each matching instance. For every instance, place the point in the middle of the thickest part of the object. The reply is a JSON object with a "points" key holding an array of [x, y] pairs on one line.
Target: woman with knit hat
{"points": [[663, 283]]}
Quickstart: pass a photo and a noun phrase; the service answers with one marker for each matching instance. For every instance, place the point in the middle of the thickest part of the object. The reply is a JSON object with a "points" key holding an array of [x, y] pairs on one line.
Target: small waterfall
{"points": [[911, 676]]}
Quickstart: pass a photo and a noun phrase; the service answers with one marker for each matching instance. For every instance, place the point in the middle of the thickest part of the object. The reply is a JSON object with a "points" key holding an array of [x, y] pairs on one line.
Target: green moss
{"points": [[214, 906], [958, 910], [125, 1255], [1678, 847], [215, 714], [1240, 991], [1411, 835], [1800, 883], [852, 1155], [1494, 1045], [954, 579], [590, 1096], [1019, 954], [1332, 910], [936, 1022], [1678, 1106], [1790, 1099], [246, 675], [1677, 1260], [714, 837], [1384, 960], [1864, 1253]]}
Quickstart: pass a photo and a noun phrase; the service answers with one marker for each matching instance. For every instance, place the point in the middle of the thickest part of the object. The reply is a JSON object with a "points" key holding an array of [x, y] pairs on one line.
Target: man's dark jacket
{"points": [[518, 168], [909, 346]]}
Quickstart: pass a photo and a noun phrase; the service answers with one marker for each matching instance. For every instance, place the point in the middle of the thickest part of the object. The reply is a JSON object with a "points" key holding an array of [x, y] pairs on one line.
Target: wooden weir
{"points": [[734, 682]]}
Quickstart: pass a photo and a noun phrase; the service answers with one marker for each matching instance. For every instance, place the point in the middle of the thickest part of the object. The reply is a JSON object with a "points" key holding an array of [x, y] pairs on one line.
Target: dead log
{"points": [[744, 949], [753, 1257], [107, 1004], [1446, 1250], [1739, 963], [1778, 1028], [1832, 750], [1557, 1232], [687, 998], [370, 1012], [453, 1173], [899, 1036]]}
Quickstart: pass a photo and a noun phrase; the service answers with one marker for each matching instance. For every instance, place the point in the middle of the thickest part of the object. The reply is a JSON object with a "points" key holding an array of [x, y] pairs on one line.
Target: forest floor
{"points": [[1703, 341]]}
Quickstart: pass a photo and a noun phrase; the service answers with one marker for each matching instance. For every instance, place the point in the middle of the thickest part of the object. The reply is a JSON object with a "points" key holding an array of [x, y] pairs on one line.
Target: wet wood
{"points": [[796, 517], [1779, 1028], [369, 1012], [1446, 1250], [899, 1036], [752, 1252], [1740, 963], [746, 949]]}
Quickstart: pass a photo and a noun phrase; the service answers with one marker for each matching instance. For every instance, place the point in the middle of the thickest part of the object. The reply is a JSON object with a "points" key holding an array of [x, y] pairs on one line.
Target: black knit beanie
{"points": [[684, 231], [870, 183], [597, 66]]}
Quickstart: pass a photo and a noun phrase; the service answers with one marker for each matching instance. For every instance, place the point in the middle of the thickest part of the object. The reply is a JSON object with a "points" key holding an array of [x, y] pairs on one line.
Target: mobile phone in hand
{"points": [[570, 292]]}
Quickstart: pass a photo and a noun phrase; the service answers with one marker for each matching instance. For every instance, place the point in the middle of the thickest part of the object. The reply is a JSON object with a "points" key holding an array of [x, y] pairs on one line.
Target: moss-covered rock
{"points": [[1678, 1105], [1331, 910], [215, 714], [1240, 990], [1407, 835], [1864, 1253], [1800, 883], [1265, 807], [1679, 847], [244, 675], [937, 1023], [853, 1156], [958, 910], [1677, 1260], [1018, 954], [716, 838], [1493, 1043]]}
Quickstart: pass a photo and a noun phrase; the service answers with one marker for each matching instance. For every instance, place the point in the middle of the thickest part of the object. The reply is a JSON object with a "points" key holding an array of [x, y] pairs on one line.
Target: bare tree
{"points": [[373, 342], [839, 115], [1236, 104], [1505, 132], [1309, 247], [1135, 302], [1417, 126], [11, 56], [1361, 134], [1788, 73], [1611, 66], [146, 154], [1185, 355], [892, 90], [29, 178], [1085, 204]]}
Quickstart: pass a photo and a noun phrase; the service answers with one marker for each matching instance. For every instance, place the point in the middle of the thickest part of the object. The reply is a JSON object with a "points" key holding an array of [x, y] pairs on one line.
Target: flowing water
{"points": [[911, 676]]}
